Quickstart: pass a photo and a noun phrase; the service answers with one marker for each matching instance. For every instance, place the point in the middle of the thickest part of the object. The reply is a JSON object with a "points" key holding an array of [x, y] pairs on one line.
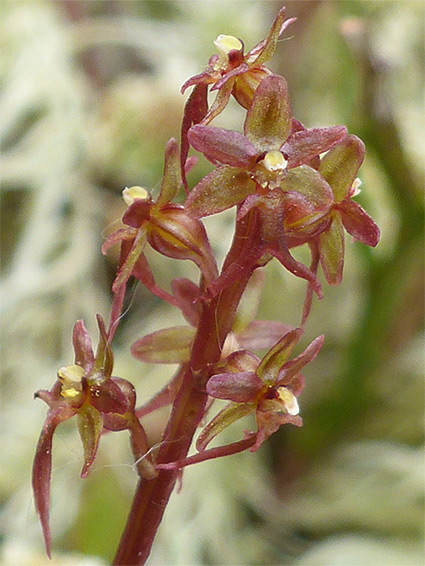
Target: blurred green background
{"points": [[89, 97]]}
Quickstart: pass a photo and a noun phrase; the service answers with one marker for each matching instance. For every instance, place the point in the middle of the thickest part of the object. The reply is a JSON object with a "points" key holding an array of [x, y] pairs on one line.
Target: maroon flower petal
{"points": [[241, 361], [261, 334], [306, 144], [166, 346], [220, 102], [194, 111], [277, 356], [339, 167], [240, 387], [84, 356], [104, 361], [290, 369], [171, 178], [108, 398], [264, 50], [90, 424], [358, 223], [331, 246], [223, 146], [239, 70], [221, 189], [41, 474], [268, 121]]}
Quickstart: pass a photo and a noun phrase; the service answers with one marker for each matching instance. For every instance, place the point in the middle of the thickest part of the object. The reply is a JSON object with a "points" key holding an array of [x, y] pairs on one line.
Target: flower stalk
{"points": [[291, 186]]}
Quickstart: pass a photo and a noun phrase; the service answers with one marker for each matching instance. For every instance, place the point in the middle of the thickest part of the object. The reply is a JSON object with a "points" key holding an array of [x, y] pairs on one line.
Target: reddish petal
{"points": [[223, 188], [167, 346], [240, 387], [194, 111], [276, 244], [241, 361], [220, 102], [84, 356], [277, 356], [223, 146], [104, 361], [264, 50], [293, 367], [261, 334], [118, 236], [306, 144], [41, 474], [171, 178], [268, 121], [42, 467], [309, 183], [224, 418], [90, 424], [108, 398], [203, 78], [358, 223], [239, 70], [331, 246], [339, 167], [126, 268]]}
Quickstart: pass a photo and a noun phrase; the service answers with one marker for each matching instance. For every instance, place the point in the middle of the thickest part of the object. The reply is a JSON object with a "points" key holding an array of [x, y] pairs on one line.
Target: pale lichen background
{"points": [[89, 97]]}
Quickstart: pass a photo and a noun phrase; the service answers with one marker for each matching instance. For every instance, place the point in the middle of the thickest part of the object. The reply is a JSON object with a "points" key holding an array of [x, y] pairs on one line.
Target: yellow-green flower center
{"points": [[274, 161], [135, 193], [70, 378]]}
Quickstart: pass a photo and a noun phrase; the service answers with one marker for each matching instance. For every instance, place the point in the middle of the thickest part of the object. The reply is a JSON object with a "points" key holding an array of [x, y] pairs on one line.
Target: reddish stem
{"points": [[152, 496]]}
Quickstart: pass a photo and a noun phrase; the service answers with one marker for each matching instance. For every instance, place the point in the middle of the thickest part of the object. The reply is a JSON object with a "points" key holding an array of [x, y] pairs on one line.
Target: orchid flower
{"points": [[339, 167], [265, 169], [100, 402], [230, 72], [162, 224]]}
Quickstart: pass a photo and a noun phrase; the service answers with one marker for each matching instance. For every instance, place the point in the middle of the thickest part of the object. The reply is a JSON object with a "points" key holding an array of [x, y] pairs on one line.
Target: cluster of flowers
{"points": [[291, 186]]}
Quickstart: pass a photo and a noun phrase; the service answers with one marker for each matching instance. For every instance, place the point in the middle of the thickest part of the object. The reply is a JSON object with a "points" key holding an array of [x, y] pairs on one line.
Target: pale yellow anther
{"points": [[289, 401], [274, 161], [226, 43], [70, 378], [134, 193]]}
